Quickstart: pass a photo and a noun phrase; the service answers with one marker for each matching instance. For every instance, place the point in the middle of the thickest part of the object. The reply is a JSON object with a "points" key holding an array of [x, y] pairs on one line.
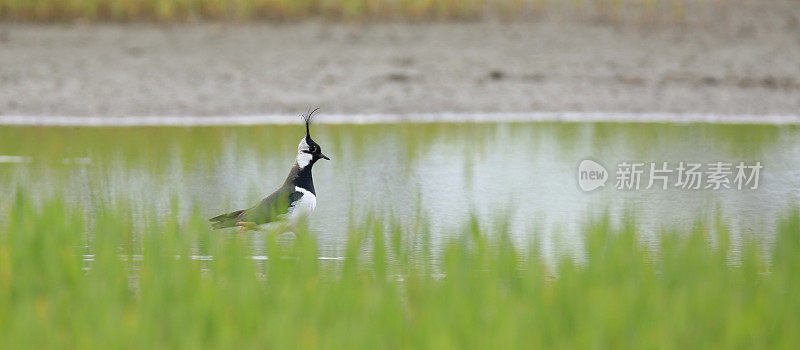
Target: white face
{"points": [[303, 158]]}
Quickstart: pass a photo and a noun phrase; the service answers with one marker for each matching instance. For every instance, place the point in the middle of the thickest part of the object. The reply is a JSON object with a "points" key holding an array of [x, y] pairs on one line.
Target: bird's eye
{"points": [[312, 149]]}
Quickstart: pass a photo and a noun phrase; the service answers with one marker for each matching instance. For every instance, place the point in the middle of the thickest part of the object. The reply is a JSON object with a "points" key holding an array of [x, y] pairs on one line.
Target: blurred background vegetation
{"points": [[246, 10]]}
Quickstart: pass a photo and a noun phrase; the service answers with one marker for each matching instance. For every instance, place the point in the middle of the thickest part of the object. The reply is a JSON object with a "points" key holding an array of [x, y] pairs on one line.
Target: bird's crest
{"points": [[307, 119]]}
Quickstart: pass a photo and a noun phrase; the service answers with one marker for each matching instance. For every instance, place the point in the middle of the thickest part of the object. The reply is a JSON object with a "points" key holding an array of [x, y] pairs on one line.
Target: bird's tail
{"points": [[225, 220]]}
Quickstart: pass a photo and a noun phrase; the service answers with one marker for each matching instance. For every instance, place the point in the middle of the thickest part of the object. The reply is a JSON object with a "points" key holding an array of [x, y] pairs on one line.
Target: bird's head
{"points": [[308, 151]]}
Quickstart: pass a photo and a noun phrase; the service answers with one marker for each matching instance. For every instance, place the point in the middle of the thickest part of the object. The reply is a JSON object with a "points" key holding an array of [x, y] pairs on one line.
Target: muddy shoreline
{"points": [[743, 66]]}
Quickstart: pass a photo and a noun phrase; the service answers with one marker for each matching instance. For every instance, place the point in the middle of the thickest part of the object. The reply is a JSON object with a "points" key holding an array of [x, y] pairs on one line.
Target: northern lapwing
{"points": [[296, 199]]}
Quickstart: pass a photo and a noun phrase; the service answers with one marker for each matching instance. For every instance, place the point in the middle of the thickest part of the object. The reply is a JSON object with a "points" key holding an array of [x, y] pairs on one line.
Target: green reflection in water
{"points": [[445, 170]]}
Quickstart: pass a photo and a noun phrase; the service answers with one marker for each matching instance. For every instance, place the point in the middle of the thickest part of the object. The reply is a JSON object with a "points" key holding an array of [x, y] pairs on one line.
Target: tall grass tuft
{"points": [[105, 280]]}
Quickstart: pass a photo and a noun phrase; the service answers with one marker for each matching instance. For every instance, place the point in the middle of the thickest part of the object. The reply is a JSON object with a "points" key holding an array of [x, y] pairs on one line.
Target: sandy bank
{"points": [[743, 65]]}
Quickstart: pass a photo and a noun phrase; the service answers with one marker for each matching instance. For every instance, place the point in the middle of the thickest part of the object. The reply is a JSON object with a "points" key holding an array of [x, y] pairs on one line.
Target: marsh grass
{"points": [[697, 290], [283, 10]]}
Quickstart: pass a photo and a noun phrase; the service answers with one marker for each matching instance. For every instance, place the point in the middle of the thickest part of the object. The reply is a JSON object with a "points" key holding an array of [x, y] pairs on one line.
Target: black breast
{"points": [[301, 178]]}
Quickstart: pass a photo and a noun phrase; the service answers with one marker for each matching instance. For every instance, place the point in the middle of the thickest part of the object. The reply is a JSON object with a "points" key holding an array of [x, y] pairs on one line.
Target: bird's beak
{"points": [[324, 156]]}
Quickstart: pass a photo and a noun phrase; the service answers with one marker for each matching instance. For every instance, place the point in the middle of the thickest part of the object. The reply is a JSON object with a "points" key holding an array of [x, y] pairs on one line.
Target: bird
{"points": [[294, 200]]}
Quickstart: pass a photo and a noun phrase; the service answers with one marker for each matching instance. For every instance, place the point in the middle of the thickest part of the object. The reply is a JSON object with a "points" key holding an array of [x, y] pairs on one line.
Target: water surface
{"points": [[523, 171]]}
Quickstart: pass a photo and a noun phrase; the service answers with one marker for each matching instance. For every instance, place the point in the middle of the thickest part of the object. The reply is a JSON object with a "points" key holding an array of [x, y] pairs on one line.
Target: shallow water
{"points": [[524, 171]]}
